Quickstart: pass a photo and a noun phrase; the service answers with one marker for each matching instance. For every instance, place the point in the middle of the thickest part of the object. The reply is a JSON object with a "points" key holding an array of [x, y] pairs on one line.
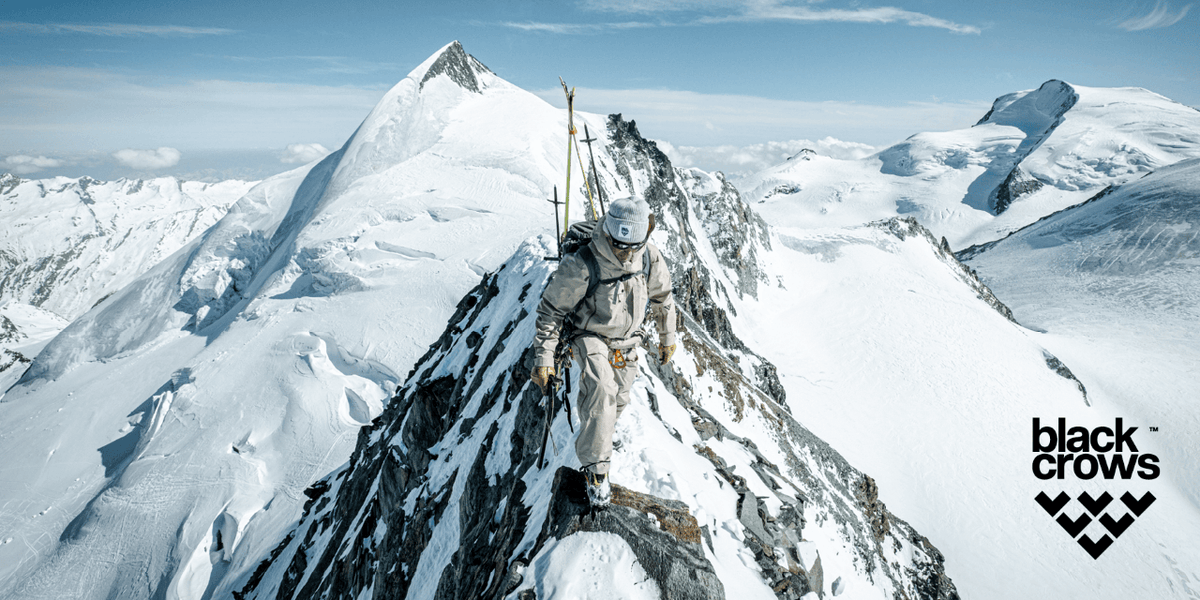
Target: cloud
{"points": [[729, 11], [303, 153], [115, 29], [772, 11], [1160, 17], [319, 64], [576, 29], [68, 109], [683, 117], [148, 159], [656, 6], [741, 161], [24, 165]]}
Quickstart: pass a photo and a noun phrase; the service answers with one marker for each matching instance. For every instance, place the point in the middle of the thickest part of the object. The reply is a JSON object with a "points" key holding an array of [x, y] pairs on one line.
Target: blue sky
{"points": [[217, 89]]}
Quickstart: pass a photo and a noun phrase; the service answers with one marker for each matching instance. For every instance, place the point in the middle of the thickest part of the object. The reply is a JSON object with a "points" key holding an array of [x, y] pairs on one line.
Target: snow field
{"points": [[890, 359]]}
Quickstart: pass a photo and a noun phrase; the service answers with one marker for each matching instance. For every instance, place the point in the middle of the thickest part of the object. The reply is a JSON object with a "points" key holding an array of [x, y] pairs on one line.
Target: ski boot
{"points": [[598, 489]]}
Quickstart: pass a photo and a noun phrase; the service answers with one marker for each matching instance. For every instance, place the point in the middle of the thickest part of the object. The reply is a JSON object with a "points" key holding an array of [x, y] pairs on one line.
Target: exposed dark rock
{"points": [[460, 67], [736, 231], [867, 496], [1017, 184], [1058, 367], [8, 331], [664, 537], [8, 182]]}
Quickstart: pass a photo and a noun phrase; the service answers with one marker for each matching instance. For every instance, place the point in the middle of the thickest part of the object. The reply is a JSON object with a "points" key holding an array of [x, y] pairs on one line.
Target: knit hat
{"points": [[627, 220]]}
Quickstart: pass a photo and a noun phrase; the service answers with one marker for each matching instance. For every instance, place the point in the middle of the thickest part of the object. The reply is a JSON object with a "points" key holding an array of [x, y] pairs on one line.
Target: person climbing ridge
{"points": [[596, 304]]}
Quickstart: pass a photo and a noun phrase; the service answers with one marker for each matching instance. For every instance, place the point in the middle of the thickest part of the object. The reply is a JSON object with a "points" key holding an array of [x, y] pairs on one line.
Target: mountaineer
{"points": [[596, 304]]}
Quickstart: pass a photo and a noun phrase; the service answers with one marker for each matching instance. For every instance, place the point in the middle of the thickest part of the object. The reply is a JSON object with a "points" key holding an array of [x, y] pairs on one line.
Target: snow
{"points": [[1112, 286], [886, 356], [202, 396], [1074, 140], [589, 566], [72, 242]]}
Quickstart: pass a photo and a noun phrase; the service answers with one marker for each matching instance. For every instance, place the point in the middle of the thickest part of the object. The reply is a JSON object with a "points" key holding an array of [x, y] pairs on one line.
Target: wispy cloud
{"points": [[23, 165], [320, 64], [1161, 16], [731, 11], [657, 6], [114, 29], [576, 29], [773, 11]]}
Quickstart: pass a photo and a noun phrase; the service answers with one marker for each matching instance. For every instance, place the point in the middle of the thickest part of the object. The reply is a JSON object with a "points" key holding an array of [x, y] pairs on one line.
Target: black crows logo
{"points": [[1095, 506], [1100, 452]]}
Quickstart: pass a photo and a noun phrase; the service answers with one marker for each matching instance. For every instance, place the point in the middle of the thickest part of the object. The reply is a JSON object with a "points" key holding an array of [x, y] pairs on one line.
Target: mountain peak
{"points": [[454, 62], [1033, 109]]}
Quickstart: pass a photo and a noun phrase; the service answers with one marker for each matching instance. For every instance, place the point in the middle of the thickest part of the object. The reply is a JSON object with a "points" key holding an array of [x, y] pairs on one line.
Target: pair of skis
{"points": [[572, 140]]}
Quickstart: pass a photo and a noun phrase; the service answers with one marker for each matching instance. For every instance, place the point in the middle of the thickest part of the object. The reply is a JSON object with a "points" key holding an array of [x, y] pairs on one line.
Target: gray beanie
{"points": [[627, 220]]}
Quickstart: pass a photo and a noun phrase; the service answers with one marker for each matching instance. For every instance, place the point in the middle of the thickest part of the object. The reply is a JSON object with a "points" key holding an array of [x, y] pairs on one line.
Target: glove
{"points": [[541, 377], [665, 353]]}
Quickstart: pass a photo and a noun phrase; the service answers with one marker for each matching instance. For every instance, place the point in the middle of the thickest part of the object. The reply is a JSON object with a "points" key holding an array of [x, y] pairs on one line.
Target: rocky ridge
{"points": [[443, 493]]}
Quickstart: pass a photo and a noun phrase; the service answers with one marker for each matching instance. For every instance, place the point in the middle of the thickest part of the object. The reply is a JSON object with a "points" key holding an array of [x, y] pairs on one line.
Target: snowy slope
{"points": [[1115, 285], [24, 331], [67, 243], [890, 359], [1034, 153]]}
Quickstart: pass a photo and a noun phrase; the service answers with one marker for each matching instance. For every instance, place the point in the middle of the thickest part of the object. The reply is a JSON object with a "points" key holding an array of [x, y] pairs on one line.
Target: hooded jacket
{"points": [[615, 311]]}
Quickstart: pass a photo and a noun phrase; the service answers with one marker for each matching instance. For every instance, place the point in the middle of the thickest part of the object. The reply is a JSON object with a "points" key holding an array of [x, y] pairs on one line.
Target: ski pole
{"points": [[587, 137], [557, 231]]}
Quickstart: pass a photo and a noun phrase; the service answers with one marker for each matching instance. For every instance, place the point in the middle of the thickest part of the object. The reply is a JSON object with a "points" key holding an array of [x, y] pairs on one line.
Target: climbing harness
{"points": [[618, 359]]}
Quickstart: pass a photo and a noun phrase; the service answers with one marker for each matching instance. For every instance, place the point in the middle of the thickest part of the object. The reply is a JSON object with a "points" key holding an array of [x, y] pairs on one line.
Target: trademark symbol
{"points": [[1153, 429]]}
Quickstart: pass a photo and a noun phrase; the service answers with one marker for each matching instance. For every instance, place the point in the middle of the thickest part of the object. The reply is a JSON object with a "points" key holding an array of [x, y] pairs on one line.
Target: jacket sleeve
{"points": [[565, 289], [662, 302]]}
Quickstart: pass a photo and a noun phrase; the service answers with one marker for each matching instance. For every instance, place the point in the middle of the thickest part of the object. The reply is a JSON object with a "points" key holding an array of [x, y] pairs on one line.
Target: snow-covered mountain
{"points": [[66, 244], [722, 491], [324, 395], [1034, 153], [1114, 285], [238, 370], [204, 398]]}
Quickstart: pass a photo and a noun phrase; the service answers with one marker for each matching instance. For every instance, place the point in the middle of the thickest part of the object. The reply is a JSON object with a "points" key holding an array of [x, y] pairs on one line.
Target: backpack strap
{"points": [[593, 267]]}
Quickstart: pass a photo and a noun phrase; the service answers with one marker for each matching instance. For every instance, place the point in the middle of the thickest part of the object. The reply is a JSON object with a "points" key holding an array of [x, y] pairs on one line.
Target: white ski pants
{"points": [[603, 395]]}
